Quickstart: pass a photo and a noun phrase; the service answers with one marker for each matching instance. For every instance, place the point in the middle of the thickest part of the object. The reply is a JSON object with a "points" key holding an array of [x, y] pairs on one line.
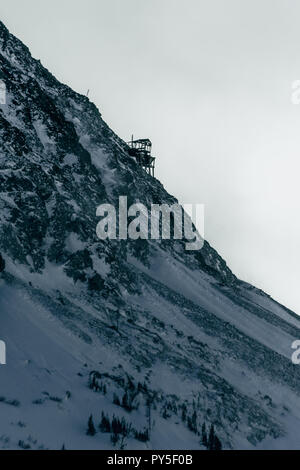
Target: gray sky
{"points": [[209, 81]]}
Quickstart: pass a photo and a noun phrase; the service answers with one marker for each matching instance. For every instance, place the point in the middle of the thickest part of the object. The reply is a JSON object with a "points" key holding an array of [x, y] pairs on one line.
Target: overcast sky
{"points": [[209, 81]]}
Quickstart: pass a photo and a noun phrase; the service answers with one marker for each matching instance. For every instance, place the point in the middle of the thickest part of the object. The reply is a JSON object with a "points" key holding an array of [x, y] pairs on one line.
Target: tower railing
{"points": [[141, 149]]}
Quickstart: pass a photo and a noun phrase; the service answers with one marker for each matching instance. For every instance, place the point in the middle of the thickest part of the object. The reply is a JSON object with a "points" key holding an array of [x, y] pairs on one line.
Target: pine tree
{"points": [[92, 383], [149, 413], [194, 422], [125, 402], [214, 442], [165, 414], [142, 436], [211, 438], [130, 384], [2, 264], [114, 439], [116, 400], [104, 425], [91, 431], [183, 413], [204, 440], [217, 444]]}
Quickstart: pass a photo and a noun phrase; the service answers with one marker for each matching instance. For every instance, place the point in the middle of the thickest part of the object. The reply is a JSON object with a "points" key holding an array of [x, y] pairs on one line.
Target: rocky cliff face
{"points": [[143, 330]]}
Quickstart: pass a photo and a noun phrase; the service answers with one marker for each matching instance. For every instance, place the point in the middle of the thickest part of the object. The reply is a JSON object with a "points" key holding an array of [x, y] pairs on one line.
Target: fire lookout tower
{"points": [[141, 150]]}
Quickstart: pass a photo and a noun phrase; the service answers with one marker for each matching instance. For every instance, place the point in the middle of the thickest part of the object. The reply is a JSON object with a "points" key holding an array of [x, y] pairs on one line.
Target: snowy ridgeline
{"points": [[132, 344]]}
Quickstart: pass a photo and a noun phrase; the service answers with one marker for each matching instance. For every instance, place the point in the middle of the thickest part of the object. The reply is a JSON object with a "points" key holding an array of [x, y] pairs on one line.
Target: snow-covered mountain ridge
{"points": [[143, 330]]}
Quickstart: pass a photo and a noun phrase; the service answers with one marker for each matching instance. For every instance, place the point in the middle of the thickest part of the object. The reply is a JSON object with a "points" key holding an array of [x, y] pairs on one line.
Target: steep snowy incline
{"points": [[144, 330]]}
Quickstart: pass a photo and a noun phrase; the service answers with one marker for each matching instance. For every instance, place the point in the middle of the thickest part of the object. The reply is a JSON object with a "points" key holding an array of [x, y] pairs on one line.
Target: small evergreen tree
{"points": [[116, 400], [204, 440], [2, 264], [114, 439], [149, 402], [92, 383], [104, 425], [91, 431], [125, 402], [211, 438], [165, 414], [142, 436], [214, 442], [192, 422], [183, 412], [217, 444]]}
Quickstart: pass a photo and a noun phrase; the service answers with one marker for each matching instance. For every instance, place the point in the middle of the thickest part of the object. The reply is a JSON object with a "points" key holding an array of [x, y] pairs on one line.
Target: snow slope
{"points": [[140, 330]]}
